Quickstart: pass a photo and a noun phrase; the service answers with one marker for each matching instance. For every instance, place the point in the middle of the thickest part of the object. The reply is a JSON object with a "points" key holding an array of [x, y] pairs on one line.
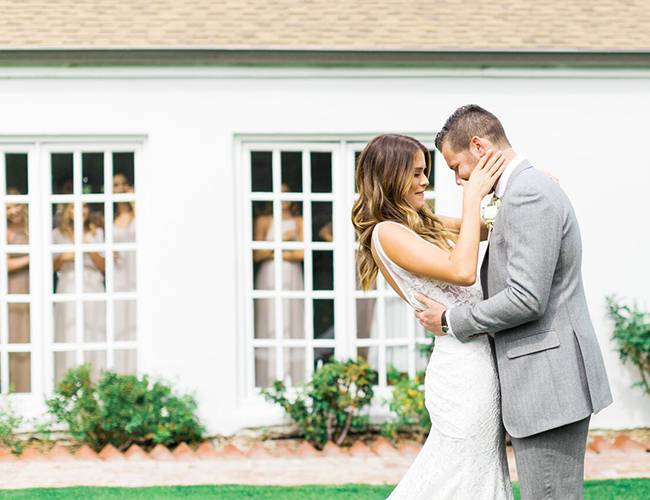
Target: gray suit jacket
{"points": [[550, 366]]}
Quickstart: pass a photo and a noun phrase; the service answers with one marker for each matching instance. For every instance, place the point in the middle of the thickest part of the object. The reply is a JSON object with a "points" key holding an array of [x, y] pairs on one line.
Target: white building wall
{"points": [[588, 128]]}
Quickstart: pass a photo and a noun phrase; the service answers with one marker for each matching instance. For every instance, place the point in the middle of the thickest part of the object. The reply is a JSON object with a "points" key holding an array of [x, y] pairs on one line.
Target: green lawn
{"points": [[621, 489]]}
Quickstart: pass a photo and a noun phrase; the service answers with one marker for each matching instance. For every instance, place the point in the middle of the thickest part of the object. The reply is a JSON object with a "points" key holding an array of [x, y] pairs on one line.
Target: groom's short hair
{"points": [[469, 121]]}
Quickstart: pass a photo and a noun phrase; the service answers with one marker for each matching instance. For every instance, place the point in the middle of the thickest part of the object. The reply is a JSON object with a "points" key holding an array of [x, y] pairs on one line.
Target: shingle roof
{"points": [[377, 25]]}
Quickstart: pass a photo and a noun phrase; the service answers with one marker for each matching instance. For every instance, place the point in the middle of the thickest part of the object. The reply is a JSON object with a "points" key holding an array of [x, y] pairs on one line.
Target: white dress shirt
{"points": [[499, 189]]}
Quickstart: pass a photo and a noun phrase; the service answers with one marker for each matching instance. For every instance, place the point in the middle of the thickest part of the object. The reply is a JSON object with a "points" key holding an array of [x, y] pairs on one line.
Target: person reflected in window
{"points": [[292, 275], [124, 269], [18, 283], [94, 266]]}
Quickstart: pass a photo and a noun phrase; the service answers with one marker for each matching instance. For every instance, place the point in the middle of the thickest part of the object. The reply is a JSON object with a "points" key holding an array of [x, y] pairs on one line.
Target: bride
{"points": [[464, 455]]}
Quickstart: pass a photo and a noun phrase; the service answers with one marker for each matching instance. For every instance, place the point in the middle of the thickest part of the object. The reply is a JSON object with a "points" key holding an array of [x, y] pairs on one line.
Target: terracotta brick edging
{"points": [[622, 446]]}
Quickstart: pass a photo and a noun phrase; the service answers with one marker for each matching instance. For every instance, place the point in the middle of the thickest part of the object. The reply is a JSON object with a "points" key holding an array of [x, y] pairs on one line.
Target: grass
{"points": [[619, 489]]}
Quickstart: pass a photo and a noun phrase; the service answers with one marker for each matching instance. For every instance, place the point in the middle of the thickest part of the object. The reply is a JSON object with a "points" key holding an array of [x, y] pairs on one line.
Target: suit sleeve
{"points": [[533, 231]]}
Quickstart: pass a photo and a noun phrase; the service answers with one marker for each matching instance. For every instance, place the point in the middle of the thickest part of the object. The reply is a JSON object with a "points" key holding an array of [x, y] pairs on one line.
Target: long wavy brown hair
{"points": [[385, 171]]}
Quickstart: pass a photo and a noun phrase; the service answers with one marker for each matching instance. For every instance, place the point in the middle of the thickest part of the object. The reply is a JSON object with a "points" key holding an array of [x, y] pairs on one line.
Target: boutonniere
{"points": [[490, 212]]}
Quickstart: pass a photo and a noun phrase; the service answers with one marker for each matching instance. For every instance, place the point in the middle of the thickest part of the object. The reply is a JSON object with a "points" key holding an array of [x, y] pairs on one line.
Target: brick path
{"points": [[259, 465]]}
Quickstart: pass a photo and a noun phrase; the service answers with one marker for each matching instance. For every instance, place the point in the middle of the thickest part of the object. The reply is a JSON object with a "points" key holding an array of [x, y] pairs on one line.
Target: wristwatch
{"points": [[443, 322]]}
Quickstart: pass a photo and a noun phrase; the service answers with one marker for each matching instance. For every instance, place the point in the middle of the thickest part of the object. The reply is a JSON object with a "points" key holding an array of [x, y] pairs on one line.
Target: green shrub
{"points": [[329, 407], [9, 422], [122, 410], [407, 404], [632, 336]]}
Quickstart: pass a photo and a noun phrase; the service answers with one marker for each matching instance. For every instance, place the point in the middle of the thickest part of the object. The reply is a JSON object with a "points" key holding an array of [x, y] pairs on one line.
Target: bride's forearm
{"points": [[464, 256]]}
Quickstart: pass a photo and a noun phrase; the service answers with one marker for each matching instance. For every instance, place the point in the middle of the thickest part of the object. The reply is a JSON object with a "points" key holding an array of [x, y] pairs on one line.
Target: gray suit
{"points": [[550, 366]]}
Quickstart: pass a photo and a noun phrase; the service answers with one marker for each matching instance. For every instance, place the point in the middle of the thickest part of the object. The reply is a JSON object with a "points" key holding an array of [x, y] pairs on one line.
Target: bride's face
{"points": [[419, 183]]}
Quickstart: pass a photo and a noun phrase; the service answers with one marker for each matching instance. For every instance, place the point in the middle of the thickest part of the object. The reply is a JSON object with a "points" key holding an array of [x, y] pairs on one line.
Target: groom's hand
{"points": [[430, 317]]}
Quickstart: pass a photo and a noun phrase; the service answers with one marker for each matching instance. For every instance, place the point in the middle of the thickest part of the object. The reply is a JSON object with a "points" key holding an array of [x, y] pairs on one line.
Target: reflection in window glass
{"points": [[264, 310], [124, 320], [323, 318], [264, 366], [395, 317], [124, 222], [291, 171], [323, 270], [20, 371], [19, 323], [293, 315], [262, 220], [63, 361], [16, 173], [321, 213], [322, 355], [62, 173], [124, 173], [261, 171], [65, 326], [92, 165], [321, 172], [98, 361], [124, 271], [18, 269], [396, 363], [126, 362], [17, 223], [367, 319], [95, 321], [294, 366]]}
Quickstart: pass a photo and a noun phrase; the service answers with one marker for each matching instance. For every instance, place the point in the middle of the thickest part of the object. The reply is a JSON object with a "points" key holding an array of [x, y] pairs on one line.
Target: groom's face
{"points": [[462, 163]]}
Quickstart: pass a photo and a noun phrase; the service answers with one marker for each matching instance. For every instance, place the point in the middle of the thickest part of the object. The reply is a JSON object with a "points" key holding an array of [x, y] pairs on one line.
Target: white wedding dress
{"points": [[464, 455]]}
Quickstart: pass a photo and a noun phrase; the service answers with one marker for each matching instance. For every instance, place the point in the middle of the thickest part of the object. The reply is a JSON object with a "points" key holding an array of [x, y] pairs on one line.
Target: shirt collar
{"points": [[502, 183]]}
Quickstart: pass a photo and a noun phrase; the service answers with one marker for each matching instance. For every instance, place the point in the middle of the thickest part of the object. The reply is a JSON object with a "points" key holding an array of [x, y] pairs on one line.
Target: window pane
{"points": [[63, 361], [92, 165], [321, 213], [94, 321], [396, 310], [124, 172], [396, 362], [371, 355], [63, 223], [432, 173], [93, 223], [293, 316], [18, 281], [262, 221], [124, 222], [291, 171], [264, 318], [323, 318], [263, 270], [292, 270], [261, 171], [16, 172], [294, 366], [421, 361], [264, 366], [322, 355], [124, 320], [62, 172], [20, 371], [98, 361], [19, 323], [126, 362], [64, 322], [356, 159], [93, 280], [124, 271], [64, 281], [321, 172], [367, 319], [17, 223], [323, 270]]}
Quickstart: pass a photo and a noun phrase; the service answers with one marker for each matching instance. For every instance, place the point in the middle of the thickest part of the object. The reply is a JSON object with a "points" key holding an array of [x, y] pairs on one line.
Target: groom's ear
{"points": [[477, 145]]}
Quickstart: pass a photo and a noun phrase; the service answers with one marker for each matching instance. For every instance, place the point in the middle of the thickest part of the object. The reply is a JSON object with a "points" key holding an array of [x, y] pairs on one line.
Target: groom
{"points": [[550, 367]]}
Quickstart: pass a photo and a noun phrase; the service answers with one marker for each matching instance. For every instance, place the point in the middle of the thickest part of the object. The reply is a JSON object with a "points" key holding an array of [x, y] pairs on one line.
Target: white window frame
{"points": [[42, 295], [343, 196]]}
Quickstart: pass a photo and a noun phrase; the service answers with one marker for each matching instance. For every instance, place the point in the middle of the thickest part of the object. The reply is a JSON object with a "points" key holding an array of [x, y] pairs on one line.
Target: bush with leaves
{"points": [[122, 410], [632, 336], [329, 407], [9, 423], [407, 404]]}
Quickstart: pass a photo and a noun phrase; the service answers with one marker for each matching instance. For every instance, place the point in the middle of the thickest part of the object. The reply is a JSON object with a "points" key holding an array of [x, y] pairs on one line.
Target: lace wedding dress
{"points": [[464, 456]]}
